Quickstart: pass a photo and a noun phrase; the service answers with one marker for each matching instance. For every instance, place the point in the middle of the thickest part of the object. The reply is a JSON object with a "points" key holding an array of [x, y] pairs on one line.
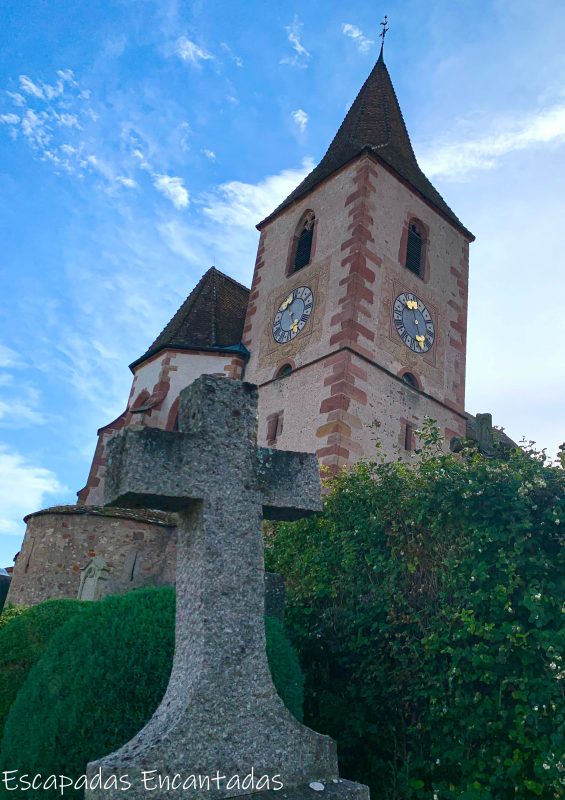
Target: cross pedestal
{"points": [[221, 712]]}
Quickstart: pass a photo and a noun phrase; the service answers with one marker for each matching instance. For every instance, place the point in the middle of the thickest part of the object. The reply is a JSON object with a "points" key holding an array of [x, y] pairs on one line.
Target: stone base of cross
{"points": [[221, 719]]}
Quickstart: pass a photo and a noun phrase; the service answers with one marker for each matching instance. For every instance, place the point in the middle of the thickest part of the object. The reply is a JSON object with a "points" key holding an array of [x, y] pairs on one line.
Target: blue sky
{"points": [[142, 140]]}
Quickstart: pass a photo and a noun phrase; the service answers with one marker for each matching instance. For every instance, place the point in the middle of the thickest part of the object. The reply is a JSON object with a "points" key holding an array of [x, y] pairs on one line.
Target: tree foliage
{"points": [[427, 604]]}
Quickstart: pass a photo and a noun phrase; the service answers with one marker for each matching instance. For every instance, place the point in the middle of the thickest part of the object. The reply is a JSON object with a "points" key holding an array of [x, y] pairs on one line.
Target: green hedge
{"points": [[100, 680], [427, 605], [24, 635]]}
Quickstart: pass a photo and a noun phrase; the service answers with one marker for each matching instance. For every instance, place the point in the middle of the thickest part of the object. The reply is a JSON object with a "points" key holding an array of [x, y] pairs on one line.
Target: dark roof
{"points": [[374, 124], [211, 318]]}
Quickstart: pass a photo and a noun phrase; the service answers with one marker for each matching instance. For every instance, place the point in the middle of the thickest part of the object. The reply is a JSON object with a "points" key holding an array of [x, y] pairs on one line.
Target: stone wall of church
{"points": [[153, 401], [138, 548], [349, 357]]}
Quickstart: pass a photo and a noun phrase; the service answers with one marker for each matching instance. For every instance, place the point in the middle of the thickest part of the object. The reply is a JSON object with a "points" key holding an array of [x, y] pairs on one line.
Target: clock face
{"points": [[293, 314], [413, 322]]}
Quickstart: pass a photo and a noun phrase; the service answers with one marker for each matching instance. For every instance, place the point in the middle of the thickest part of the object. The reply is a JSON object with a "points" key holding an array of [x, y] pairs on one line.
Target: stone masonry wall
{"points": [[138, 547]]}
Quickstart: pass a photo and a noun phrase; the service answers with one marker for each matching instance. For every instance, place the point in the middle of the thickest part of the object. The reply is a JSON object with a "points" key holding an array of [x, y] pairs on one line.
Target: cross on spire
{"points": [[384, 31]]}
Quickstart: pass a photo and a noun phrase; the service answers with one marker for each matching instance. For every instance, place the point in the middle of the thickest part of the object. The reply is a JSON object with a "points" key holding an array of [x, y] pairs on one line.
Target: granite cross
{"points": [[221, 711]]}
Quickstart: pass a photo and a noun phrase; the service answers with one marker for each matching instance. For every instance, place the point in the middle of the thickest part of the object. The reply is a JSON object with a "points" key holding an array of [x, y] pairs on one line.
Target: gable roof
{"points": [[374, 124], [211, 318]]}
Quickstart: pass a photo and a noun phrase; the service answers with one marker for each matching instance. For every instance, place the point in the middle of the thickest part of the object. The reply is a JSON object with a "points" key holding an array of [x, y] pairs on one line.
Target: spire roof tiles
{"points": [[374, 124], [211, 318]]}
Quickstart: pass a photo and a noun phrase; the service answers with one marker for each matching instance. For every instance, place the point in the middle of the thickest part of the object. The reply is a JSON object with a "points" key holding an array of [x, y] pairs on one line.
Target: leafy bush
{"points": [[9, 612], [24, 635], [427, 605], [100, 680]]}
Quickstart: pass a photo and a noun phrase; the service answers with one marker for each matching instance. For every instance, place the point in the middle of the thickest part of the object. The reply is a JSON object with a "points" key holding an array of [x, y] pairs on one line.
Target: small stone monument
{"points": [[94, 580], [221, 714]]}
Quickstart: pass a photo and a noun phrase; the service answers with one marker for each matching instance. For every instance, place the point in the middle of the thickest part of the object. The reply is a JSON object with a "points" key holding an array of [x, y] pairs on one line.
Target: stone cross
{"points": [[93, 580], [221, 711]]}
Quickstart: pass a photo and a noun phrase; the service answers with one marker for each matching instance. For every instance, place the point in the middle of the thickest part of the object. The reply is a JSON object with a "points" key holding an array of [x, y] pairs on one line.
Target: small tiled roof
{"points": [[374, 124], [211, 318]]}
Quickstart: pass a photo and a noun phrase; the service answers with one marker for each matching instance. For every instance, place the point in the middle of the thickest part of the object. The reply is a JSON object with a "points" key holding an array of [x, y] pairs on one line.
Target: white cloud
{"points": [[23, 489], [226, 231], [129, 183], [36, 129], [300, 117], [458, 158], [29, 87], [301, 54], [8, 357], [173, 189], [9, 119], [17, 98], [210, 155], [143, 163], [236, 59], [244, 204], [67, 75], [185, 131], [190, 51], [20, 414], [67, 120], [363, 43]]}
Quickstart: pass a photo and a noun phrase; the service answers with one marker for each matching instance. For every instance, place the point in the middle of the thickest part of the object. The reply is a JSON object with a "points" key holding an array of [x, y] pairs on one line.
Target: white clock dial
{"points": [[293, 314], [413, 322]]}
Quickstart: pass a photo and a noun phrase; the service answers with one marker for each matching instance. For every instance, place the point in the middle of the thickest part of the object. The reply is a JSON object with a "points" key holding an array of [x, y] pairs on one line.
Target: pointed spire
{"points": [[374, 124], [211, 318]]}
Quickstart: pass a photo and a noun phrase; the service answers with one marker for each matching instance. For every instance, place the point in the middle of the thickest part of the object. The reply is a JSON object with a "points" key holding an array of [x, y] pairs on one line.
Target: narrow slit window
{"points": [[274, 427], [414, 250], [409, 436]]}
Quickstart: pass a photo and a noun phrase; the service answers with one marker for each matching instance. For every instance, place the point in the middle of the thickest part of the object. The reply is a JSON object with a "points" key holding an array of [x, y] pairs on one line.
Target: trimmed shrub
{"points": [[101, 679], [24, 635], [427, 605]]}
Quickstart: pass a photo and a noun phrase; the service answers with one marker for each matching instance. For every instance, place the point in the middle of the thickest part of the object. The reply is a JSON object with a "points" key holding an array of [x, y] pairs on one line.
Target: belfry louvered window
{"points": [[303, 248], [414, 249]]}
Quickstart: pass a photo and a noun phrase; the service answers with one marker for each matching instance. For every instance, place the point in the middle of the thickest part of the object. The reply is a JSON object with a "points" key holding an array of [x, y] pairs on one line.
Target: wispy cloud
{"points": [[29, 87], [363, 43], [23, 488], [8, 357], [300, 118], [225, 231], [20, 411], [129, 183], [173, 189], [236, 59], [188, 50], [9, 119], [301, 55], [241, 204], [458, 158], [65, 126], [50, 118], [209, 154]]}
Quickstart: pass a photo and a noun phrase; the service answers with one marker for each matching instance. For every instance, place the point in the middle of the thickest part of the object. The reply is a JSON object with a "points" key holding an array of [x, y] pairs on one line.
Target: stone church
{"points": [[356, 319]]}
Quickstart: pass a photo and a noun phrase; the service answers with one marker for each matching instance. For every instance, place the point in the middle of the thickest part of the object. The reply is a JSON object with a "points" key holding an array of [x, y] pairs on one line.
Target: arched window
{"points": [[410, 380], [303, 242], [283, 371], [415, 248]]}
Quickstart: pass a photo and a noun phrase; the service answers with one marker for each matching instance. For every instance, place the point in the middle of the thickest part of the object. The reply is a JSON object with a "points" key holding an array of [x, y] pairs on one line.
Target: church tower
{"points": [[357, 315]]}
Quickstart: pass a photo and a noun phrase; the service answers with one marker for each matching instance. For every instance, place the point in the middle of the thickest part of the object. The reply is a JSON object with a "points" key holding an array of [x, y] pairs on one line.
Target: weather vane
{"points": [[383, 33]]}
